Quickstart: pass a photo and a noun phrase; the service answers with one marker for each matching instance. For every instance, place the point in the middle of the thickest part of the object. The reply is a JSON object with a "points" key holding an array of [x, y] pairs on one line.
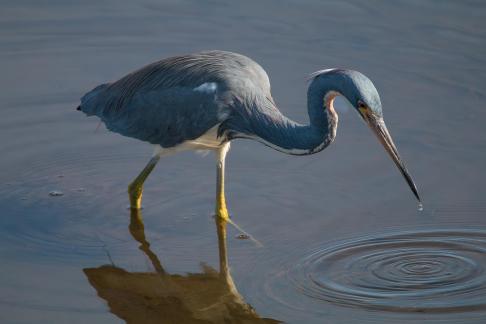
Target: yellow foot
{"points": [[223, 214], [135, 196]]}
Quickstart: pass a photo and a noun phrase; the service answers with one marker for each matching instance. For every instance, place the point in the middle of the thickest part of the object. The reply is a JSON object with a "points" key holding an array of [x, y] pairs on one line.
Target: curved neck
{"points": [[290, 137], [262, 121]]}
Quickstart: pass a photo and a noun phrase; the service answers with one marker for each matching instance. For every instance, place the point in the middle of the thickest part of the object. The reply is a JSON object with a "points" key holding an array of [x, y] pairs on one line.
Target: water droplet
{"points": [[420, 207], [242, 236], [56, 193]]}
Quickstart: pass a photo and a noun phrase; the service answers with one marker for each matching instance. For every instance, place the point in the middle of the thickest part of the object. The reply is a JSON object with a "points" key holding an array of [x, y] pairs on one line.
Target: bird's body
{"points": [[187, 100], [207, 99]]}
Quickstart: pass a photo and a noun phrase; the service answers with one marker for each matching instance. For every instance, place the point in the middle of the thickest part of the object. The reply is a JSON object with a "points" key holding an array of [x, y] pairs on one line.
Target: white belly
{"points": [[208, 141]]}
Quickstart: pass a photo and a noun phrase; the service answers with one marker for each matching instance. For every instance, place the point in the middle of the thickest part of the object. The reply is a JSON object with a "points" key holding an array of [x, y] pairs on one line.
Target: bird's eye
{"points": [[361, 105]]}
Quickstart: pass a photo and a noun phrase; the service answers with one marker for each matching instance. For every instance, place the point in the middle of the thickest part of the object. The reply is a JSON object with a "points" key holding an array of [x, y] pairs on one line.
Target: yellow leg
{"points": [[135, 189], [221, 210]]}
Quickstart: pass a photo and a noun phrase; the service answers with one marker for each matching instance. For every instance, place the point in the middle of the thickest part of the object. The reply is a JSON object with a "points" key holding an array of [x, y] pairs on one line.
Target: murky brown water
{"points": [[342, 239]]}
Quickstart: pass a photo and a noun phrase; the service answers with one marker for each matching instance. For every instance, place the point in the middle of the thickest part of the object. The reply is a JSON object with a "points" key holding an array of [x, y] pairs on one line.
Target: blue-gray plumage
{"points": [[207, 99]]}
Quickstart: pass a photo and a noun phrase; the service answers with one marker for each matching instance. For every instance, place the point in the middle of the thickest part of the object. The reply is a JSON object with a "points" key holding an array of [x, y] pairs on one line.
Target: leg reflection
{"points": [[137, 229], [209, 296]]}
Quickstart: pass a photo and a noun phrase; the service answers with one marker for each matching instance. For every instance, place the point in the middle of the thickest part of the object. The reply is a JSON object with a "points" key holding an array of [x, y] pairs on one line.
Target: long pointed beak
{"points": [[379, 128]]}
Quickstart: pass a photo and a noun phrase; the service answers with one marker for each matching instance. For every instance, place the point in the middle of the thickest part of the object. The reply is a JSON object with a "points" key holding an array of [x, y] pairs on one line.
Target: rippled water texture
{"points": [[342, 239], [439, 271]]}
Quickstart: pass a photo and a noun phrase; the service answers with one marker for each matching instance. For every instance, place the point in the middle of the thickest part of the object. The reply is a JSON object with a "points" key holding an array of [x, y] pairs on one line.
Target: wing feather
{"points": [[158, 103]]}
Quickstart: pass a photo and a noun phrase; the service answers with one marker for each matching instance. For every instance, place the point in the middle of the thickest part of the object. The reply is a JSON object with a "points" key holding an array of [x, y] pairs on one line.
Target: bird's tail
{"points": [[93, 102]]}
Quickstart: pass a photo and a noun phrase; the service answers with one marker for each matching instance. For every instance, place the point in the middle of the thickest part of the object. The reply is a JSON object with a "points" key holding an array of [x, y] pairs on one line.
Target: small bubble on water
{"points": [[420, 207], [56, 193], [242, 236]]}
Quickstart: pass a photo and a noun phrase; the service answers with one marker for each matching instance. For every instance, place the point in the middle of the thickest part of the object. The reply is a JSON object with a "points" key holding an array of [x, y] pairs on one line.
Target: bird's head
{"points": [[360, 92]]}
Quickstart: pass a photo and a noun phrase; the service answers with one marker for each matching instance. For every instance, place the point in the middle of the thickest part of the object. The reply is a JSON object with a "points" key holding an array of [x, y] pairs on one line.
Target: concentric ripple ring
{"points": [[424, 271]]}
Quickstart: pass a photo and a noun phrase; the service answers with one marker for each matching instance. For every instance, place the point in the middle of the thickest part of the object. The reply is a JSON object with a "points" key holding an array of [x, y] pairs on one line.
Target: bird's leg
{"points": [[135, 188], [221, 210]]}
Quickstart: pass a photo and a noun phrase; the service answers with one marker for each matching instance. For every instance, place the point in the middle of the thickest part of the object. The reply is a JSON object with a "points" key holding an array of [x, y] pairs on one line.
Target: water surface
{"points": [[342, 239]]}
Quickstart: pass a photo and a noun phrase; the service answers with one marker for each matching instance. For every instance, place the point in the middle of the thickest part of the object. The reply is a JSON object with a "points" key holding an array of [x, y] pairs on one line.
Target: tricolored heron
{"points": [[205, 100]]}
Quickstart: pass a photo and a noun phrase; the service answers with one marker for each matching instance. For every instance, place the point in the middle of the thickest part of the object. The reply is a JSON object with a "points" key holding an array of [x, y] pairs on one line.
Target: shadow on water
{"points": [[149, 297]]}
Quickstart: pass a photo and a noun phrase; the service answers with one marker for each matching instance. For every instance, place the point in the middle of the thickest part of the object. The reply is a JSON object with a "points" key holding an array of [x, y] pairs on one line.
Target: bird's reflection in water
{"points": [[160, 297]]}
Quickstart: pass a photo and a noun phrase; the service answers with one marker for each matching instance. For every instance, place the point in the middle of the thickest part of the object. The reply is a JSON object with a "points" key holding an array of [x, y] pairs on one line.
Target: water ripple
{"points": [[425, 271]]}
